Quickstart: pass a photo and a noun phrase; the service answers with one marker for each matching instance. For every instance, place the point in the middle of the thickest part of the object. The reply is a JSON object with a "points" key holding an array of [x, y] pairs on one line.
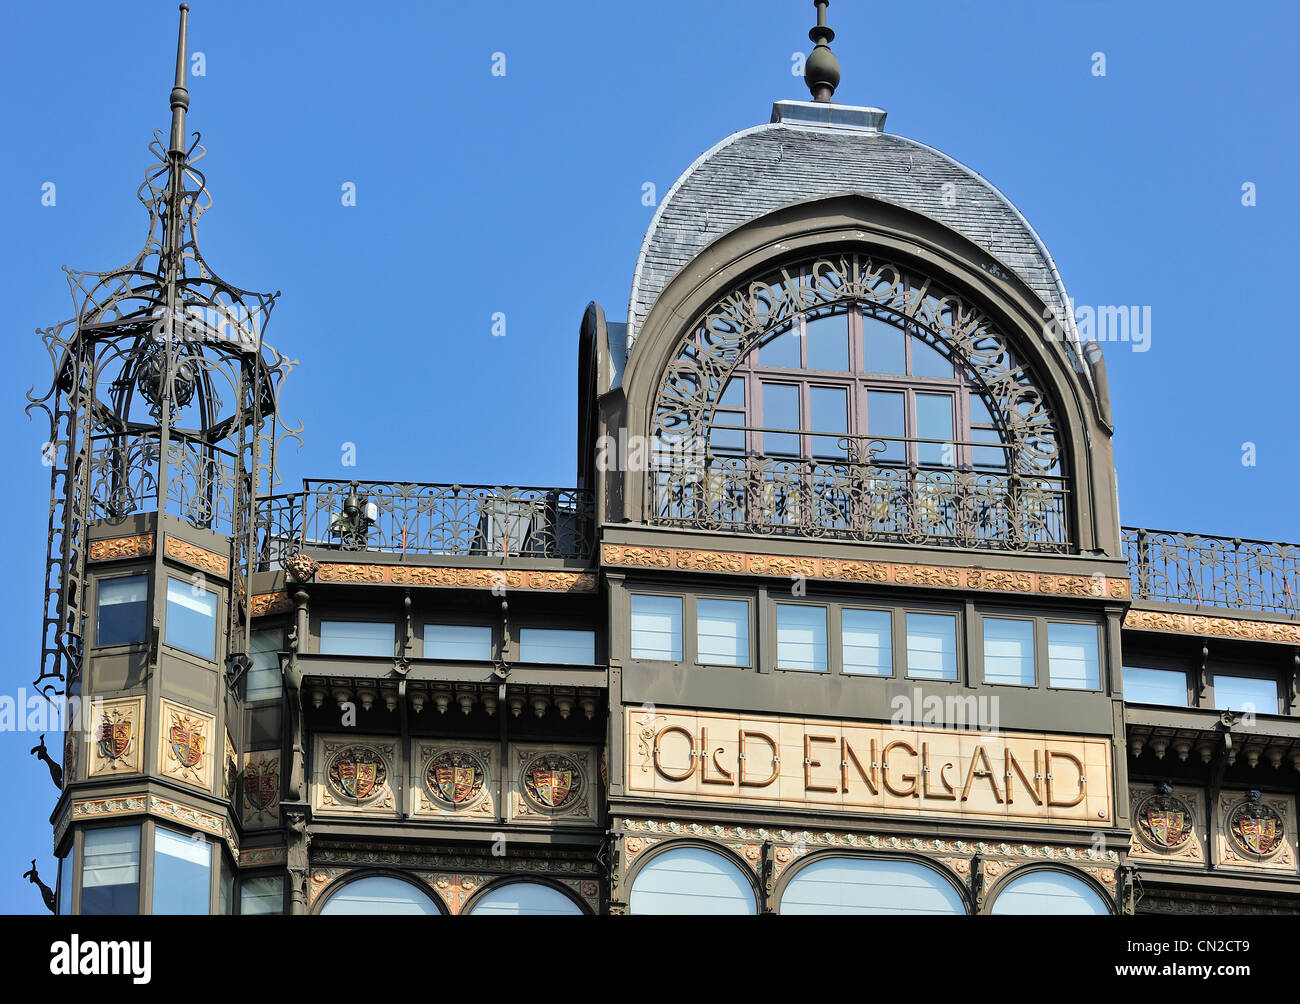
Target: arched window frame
{"points": [[497, 884], [830, 854], [1024, 871], [731, 857], [349, 878]]}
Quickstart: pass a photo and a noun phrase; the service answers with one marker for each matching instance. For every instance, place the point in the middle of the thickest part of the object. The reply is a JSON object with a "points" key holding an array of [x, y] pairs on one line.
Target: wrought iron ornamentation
{"points": [[1206, 571], [164, 398], [862, 497]]}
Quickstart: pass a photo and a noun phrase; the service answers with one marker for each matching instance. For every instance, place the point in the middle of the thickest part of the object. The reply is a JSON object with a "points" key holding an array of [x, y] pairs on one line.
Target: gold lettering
{"points": [[690, 741], [846, 755], [776, 759], [809, 763], [1051, 799], [884, 771], [1035, 789], [986, 772], [925, 777], [708, 755]]}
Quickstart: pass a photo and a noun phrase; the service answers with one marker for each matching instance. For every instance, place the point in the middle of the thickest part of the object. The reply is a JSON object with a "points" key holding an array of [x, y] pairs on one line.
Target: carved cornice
{"points": [[199, 557], [1215, 627], [465, 578], [839, 570], [135, 546], [152, 805]]}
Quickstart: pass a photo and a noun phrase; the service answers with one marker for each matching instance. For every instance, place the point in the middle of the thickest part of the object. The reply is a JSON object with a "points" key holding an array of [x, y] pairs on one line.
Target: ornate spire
{"points": [[822, 70], [180, 97]]}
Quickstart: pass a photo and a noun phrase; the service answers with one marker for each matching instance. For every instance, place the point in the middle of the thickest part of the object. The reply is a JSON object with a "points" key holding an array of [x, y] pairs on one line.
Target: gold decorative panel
{"points": [[1255, 831], [1169, 824], [135, 546], [455, 779], [115, 736], [860, 767], [199, 557], [185, 745], [553, 783], [1214, 627], [355, 775]]}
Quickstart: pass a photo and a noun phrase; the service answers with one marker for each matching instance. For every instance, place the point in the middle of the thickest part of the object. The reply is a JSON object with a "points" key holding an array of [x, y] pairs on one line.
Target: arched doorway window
{"points": [[525, 899], [377, 895], [1048, 892], [854, 885], [692, 880]]}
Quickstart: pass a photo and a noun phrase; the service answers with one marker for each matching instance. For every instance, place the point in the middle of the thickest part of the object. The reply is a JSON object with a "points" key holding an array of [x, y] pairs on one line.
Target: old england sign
{"points": [[851, 766]]}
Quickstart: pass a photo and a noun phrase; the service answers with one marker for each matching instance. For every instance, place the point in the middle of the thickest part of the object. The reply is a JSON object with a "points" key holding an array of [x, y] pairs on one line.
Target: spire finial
{"points": [[822, 70], [180, 97]]}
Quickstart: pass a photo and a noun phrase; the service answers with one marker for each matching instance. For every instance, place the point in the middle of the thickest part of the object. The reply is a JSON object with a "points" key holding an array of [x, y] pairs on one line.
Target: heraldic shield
{"points": [[1168, 827], [261, 786], [455, 783], [187, 745], [114, 738], [358, 779], [552, 786], [357, 772], [1256, 827], [552, 781]]}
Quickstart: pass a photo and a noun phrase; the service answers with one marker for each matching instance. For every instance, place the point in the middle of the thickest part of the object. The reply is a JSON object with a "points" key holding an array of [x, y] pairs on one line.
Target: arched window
{"points": [[378, 895], [691, 880], [1045, 892], [525, 899], [854, 398], [870, 885]]}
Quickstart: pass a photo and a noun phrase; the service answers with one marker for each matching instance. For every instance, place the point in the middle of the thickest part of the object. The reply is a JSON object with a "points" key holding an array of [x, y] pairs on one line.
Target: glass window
{"points": [[780, 411], [691, 881], [927, 361], [551, 645], [526, 899], [358, 638], [261, 895], [869, 885], [463, 642], [110, 873], [932, 646], [1072, 656], [65, 885], [656, 627], [783, 351], [264, 675], [1048, 893], [379, 895], [191, 618], [934, 421], [226, 895], [1155, 686], [122, 606], [830, 414], [828, 342], [182, 873], [1009, 651], [885, 347], [1245, 693], [722, 632], [867, 638], [801, 637], [885, 422]]}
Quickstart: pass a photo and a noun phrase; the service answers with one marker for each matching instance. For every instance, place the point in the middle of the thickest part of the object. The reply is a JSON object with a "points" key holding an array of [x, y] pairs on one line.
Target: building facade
{"points": [[840, 616]]}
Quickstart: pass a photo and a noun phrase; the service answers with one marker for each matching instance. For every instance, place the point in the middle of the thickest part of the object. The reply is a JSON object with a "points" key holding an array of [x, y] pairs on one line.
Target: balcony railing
{"points": [[1198, 570], [425, 519], [869, 501]]}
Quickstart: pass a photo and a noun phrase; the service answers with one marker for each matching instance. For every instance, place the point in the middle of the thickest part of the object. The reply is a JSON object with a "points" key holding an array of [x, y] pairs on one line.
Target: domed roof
{"points": [[810, 150]]}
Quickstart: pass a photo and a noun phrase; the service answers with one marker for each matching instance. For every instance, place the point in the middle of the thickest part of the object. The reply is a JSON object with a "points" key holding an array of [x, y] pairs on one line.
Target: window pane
{"points": [[734, 394], [780, 411], [932, 646], [65, 885], [884, 346], [110, 876], [1072, 656], [657, 627], [573, 648], [191, 618], [263, 679], [722, 632], [868, 642], [357, 638], [934, 421], [262, 896], [181, 873], [226, 886], [121, 616], [379, 895], [928, 361], [863, 886], [801, 637], [989, 457], [526, 899], [1155, 686], [885, 421], [830, 413], [1009, 651], [1046, 893], [828, 342], [1245, 693], [466, 642], [783, 350], [979, 411], [725, 432], [693, 881]]}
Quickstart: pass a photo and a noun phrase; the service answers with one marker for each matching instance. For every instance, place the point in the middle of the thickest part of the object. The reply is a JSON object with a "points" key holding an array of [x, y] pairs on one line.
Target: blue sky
{"points": [[522, 194]]}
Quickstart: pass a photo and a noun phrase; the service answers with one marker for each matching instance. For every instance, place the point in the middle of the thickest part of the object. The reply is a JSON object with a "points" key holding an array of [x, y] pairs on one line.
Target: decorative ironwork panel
{"points": [[1204, 571]]}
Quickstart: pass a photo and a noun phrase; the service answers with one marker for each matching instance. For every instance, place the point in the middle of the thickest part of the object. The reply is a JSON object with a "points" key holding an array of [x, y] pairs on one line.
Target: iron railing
{"points": [[869, 501], [426, 519], [1198, 570]]}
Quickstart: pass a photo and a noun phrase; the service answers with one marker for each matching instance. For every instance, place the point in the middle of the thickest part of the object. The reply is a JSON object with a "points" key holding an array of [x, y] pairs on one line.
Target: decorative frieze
{"points": [[1214, 627], [198, 557], [115, 548], [462, 578], [839, 570], [271, 603]]}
